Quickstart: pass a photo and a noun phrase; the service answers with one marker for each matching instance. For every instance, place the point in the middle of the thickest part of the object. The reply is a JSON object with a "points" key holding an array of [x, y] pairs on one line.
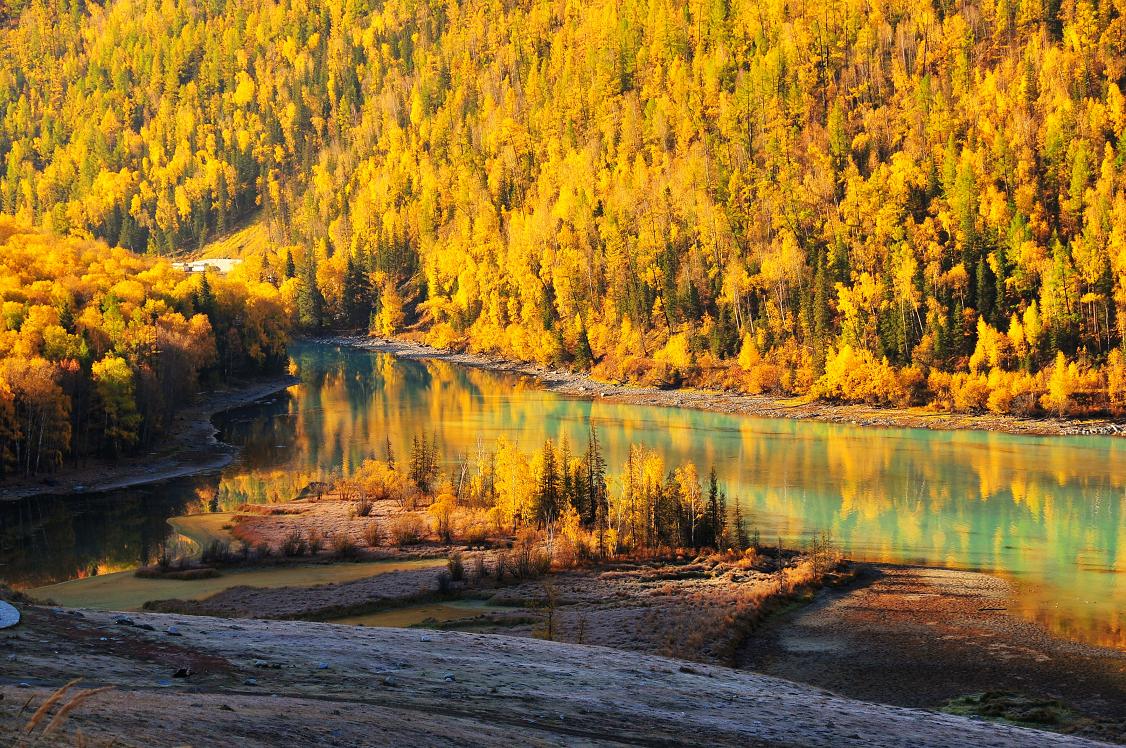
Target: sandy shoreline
{"points": [[191, 448], [583, 385]]}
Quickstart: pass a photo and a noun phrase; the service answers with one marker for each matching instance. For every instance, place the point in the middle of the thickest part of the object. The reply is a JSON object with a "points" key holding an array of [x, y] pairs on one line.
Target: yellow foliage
{"points": [[857, 376], [676, 352]]}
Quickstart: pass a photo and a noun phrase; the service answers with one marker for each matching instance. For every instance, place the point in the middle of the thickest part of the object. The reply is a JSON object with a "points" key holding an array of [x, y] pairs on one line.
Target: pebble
{"points": [[123, 621], [146, 626], [390, 682], [250, 682], [449, 677], [173, 631], [322, 666]]}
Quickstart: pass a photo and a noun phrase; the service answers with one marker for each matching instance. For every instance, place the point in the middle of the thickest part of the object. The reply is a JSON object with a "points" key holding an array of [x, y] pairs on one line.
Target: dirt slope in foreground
{"points": [[298, 683]]}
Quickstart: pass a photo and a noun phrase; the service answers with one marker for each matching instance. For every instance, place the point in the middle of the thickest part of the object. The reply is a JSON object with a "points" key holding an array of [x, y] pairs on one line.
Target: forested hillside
{"points": [[893, 202], [99, 347]]}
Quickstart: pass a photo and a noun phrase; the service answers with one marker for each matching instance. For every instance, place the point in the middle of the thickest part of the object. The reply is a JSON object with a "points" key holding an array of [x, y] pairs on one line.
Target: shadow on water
{"points": [[46, 539]]}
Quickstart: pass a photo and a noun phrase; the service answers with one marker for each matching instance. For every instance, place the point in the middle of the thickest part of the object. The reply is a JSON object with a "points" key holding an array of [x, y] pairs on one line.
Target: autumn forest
{"points": [[896, 203]]}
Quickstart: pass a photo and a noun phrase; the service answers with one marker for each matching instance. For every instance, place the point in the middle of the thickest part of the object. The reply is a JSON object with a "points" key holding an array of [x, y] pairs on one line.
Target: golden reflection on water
{"points": [[1044, 513]]}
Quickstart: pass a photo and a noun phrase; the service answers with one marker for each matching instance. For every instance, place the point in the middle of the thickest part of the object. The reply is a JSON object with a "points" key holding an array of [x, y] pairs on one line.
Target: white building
{"points": [[221, 265]]}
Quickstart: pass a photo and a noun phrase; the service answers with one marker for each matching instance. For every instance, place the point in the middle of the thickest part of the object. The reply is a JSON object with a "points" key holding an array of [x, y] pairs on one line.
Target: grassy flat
{"points": [[205, 529], [123, 591]]}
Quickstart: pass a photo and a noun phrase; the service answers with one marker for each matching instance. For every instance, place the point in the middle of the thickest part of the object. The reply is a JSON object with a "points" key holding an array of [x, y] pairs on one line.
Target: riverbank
{"points": [[203, 681], [189, 448], [583, 385]]}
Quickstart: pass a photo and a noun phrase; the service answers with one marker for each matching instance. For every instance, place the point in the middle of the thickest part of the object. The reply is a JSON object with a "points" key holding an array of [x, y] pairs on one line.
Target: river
{"points": [[1043, 512]]}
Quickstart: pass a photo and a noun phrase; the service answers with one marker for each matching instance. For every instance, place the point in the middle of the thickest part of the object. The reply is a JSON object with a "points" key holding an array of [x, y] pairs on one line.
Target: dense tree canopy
{"points": [[99, 347], [898, 201]]}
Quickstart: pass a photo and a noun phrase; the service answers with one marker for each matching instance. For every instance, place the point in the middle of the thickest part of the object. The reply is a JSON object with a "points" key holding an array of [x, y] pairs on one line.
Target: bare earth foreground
{"points": [[300, 683]]}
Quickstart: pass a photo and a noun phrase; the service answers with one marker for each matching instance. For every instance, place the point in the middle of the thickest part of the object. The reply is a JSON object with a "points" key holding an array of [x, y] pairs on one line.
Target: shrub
{"points": [[502, 565], [748, 560], [970, 392], [529, 560], [550, 623], [855, 375], [294, 544], [216, 552], [373, 536], [456, 566], [379, 481], [480, 570], [149, 572], [475, 533], [363, 507], [444, 582], [407, 529], [316, 541], [343, 546], [442, 510]]}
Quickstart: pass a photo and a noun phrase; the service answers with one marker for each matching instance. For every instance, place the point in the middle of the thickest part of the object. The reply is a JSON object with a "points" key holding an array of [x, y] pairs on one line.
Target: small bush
{"points": [[475, 534], [373, 535], [550, 624], [529, 560], [443, 510], [344, 547], [444, 582], [216, 552], [263, 550], [480, 570], [203, 572], [363, 507], [456, 566], [294, 544], [316, 541], [502, 565], [407, 529]]}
